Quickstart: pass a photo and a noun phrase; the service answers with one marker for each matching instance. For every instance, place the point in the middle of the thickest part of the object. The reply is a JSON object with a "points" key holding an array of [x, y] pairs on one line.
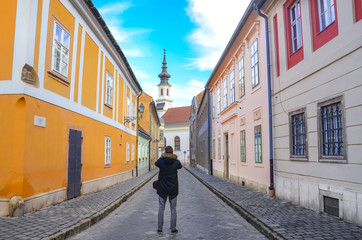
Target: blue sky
{"points": [[193, 32]]}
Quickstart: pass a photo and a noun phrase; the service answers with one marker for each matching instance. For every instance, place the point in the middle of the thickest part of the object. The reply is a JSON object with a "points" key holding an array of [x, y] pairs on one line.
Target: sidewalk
{"points": [[275, 218], [70, 217]]}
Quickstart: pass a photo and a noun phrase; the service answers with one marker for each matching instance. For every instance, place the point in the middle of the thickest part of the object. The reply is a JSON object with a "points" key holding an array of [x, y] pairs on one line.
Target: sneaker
{"points": [[159, 230], [174, 231]]}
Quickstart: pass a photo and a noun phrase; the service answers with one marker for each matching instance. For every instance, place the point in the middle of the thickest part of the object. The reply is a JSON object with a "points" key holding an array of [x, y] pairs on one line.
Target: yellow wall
{"points": [[145, 121], [76, 81], [8, 19], [90, 67], [59, 12], [40, 155]]}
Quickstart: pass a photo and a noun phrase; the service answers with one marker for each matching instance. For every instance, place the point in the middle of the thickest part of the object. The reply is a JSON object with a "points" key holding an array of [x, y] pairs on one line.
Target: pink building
{"points": [[239, 98]]}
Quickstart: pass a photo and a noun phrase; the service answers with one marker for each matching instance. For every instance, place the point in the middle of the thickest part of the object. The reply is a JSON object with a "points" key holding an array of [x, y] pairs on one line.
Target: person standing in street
{"points": [[167, 186]]}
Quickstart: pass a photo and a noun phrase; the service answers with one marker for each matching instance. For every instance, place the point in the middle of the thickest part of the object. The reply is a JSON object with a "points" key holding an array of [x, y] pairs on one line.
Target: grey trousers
{"points": [[161, 210]]}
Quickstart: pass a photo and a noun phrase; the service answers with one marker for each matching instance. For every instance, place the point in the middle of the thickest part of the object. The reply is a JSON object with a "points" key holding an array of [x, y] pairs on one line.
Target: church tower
{"points": [[164, 100]]}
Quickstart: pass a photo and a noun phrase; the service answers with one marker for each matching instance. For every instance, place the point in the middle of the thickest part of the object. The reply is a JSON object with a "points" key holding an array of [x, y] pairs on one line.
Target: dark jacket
{"points": [[167, 177]]}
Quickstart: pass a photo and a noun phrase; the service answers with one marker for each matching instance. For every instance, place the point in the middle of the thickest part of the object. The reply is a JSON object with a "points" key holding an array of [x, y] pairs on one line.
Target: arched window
{"points": [[167, 91], [177, 143], [161, 91]]}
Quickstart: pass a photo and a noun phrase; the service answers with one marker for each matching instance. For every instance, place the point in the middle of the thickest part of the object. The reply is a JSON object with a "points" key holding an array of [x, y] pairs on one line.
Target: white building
{"points": [[176, 133]]}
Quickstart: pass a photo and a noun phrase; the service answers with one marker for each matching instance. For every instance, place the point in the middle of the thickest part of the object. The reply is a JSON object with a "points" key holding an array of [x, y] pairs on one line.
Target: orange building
{"points": [[65, 91]]}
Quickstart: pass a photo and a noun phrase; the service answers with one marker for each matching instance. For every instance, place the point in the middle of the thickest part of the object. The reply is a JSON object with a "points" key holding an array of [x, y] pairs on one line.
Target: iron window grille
{"points": [[107, 160], [219, 148], [298, 128], [332, 130]]}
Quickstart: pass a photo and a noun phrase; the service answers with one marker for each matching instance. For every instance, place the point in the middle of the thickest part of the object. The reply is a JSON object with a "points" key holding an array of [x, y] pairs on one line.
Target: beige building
{"points": [[316, 59]]}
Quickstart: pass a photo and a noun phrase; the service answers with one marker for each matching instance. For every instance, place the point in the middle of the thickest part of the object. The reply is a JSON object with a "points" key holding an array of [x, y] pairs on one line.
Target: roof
{"points": [[112, 39], [148, 96], [177, 115]]}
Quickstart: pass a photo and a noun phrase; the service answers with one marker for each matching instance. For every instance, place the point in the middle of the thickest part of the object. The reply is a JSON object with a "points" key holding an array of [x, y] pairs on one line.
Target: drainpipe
{"points": [[136, 150], [271, 187], [209, 130]]}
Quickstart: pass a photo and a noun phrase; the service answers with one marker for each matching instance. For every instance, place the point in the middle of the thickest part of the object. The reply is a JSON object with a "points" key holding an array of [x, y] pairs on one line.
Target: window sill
{"points": [[108, 106], [332, 159], [299, 158], [325, 29], [107, 165], [59, 78], [255, 88]]}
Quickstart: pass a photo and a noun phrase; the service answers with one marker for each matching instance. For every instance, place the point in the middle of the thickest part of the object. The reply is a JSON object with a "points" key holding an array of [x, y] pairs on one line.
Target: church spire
{"points": [[164, 76]]}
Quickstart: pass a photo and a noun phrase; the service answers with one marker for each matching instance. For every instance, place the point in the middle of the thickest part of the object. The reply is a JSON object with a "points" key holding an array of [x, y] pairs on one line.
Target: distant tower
{"points": [[164, 100]]}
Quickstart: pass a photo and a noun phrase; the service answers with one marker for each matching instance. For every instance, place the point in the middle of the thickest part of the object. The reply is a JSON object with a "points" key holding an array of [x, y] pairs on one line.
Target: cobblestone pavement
{"points": [[276, 218], [68, 217], [201, 215]]}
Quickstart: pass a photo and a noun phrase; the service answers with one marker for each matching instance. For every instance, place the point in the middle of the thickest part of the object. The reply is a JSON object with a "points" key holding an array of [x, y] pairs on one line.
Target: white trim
{"points": [[102, 83], [74, 60], [98, 77], [117, 98], [114, 94], [43, 43], [81, 63], [32, 31]]}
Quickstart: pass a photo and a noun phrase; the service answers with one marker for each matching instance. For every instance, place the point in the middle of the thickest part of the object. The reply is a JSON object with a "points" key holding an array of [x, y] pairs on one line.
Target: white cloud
{"points": [[191, 89], [115, 8], [216, 22], [140, 74]]}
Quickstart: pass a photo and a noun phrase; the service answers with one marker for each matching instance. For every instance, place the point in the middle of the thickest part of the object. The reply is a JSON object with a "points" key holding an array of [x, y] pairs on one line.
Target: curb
{"points": [[87, 222], [262, 227]]}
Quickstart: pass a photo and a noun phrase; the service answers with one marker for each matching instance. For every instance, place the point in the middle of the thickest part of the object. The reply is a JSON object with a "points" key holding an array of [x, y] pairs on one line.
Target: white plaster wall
{"points": [[171, 131]]}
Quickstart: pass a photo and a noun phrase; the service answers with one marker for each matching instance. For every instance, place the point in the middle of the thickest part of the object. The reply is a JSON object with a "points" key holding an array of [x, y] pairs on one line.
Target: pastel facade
{"points": [[148, 134], [317, 107], [238, 90], [65, 88]]}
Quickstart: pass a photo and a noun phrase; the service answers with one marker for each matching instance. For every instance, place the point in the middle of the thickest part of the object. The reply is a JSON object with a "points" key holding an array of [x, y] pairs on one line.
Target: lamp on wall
{"points": [[131, 119]]}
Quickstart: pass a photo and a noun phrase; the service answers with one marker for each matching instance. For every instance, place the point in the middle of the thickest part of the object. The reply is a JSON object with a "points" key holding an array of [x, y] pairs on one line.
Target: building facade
{"points": [[176, 132], [317, 95], [203, 123], [65, 91], [238, 89], [148, 134], [193, 127]]}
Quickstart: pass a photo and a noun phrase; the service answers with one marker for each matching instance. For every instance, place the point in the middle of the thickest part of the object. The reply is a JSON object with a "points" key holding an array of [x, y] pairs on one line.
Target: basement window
{"points": [[331, 206]]}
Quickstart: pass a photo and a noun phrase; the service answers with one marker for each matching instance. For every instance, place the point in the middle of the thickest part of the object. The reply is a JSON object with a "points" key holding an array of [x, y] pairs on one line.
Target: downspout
{"points": [[271, 187], [138, 98], [209, 129]]}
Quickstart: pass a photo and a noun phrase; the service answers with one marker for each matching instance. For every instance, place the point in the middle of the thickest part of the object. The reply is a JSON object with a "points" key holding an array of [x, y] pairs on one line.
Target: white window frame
{"points": [[109, 89], [295, 24], [241, 77], [254, 63], [218, 101], [213, 105], [232, 86], [127, 152], [132, 152], [225, 91], [63, 48], [327, 15], [107, 151]]}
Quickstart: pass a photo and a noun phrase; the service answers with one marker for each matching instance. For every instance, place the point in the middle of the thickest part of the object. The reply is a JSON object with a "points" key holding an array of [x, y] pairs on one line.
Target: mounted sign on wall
{"points": [[39, 121]]}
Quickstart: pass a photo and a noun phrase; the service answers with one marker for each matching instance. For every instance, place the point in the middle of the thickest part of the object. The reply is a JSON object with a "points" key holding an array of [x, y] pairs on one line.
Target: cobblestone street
{"points": [[201, 215]]}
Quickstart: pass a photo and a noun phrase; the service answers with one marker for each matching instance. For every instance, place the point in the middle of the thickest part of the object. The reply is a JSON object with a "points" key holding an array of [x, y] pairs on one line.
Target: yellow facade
{"points": [[37, 118], [8, 15]]}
